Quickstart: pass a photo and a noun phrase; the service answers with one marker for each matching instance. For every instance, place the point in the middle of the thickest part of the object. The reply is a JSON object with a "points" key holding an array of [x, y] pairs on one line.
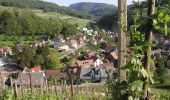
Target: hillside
{"points": [[45, 6], [110, 21], [96, 9]]}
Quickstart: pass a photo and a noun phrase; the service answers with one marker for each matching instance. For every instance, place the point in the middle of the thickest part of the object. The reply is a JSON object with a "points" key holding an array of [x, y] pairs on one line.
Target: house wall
{"points": [[74, 45]]}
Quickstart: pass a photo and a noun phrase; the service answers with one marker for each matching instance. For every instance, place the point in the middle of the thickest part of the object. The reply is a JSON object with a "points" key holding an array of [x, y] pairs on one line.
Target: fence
{"points": [[90, 91]]}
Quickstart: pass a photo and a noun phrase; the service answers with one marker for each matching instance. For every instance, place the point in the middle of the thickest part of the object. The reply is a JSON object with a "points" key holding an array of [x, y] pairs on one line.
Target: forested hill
{"points": [[45, 6], [97, 9], [110, 21]]}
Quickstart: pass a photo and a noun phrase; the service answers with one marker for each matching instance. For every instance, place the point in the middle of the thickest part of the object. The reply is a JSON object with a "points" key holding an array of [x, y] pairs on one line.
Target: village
{"points": [[89, 67], [84, 51]]}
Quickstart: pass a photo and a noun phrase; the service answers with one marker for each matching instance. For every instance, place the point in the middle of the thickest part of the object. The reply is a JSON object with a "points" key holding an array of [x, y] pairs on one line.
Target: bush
{"points": [[161, 70]]}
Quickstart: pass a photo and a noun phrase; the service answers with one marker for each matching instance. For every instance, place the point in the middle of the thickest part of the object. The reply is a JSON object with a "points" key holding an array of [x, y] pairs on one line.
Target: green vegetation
{"points": [[96, 9], [109, 21], [45, 6], [27, 23], [162, 90], [45, 57], [10, 41], [139, 66]]}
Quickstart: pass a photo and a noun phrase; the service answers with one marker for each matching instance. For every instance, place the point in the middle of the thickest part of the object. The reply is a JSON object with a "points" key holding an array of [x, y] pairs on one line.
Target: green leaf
{"points": [[144, 72], [130, 98], [161, 14], [136, 86], [167, 18], [165, 29]]}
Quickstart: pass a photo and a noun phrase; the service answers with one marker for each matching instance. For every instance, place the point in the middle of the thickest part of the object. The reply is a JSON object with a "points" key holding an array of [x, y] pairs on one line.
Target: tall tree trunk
{"points": [[122, 37], [148, 38]]}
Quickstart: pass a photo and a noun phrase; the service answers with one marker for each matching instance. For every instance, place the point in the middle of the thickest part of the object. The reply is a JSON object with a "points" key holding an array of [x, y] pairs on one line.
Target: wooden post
{"points": [[1, 81], [148, 38], [71, 80], [11, 82], [55, 83], [122, 37], [20, 77], [30, 77], [16, 90]]}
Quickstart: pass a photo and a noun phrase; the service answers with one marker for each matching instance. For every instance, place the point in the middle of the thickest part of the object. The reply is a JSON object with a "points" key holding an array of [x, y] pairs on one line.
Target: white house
{"points": [[98, 62], [2, 63], [5, 51], [85, 29], [58, 39], [73, 44], [61, 46]]}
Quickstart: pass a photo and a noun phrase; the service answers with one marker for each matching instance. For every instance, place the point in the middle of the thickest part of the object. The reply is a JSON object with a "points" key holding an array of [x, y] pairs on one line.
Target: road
{"points": [[72, 51]]}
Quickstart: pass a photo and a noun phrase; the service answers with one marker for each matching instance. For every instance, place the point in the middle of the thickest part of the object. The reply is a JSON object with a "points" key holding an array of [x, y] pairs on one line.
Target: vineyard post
{"points": [[55, 84], [1, 84], [20, 77], [71, 80], [11, 82], [122, 37], [148, 38], [16, 90], [31, 87]]}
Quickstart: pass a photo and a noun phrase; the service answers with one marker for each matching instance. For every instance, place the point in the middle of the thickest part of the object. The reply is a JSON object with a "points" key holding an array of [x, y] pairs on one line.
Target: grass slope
{"points": [[7, 41]]}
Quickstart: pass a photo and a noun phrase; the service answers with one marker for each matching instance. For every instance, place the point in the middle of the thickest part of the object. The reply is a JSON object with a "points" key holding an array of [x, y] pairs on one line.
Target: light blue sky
{"points": [[68, 2]]}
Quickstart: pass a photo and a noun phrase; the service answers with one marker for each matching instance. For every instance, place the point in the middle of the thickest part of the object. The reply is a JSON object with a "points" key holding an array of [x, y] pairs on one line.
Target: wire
{"points": [[13, 37]]}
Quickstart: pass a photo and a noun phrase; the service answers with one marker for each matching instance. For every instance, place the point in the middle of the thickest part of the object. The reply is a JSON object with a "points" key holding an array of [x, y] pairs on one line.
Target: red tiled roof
{"points": [[36, 69], [73, 41], [3, 50], [85, 63], [106, 65], [112, 56], [55, 73]]}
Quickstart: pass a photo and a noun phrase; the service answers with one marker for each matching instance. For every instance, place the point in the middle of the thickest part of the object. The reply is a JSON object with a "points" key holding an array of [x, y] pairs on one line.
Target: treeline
{"points": [[45, 6], [25, 22], [40, 56], [109, 22]]}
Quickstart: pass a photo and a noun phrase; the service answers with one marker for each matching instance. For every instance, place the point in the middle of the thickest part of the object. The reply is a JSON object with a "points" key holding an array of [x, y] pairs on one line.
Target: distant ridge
{"points": [[96, 9], [45, 6]]}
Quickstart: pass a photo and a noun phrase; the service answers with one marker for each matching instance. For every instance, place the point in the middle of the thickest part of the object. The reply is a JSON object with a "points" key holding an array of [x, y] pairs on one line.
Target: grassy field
{"points": [[8, 41], [47, 15], [69, 19], [162, 90]]}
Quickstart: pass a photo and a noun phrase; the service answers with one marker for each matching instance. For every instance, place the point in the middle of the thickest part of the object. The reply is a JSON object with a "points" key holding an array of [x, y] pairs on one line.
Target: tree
{"points": [[26, 55], [69, 30], [8, 22]]}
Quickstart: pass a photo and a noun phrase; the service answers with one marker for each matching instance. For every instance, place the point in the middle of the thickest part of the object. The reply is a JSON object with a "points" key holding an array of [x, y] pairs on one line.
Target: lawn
{"points": [[8, 41], [69, 19], [162, 90]]}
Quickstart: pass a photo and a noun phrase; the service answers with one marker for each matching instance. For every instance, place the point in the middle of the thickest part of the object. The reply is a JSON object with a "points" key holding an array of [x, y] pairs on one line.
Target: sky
{"points": [[68, 2]]}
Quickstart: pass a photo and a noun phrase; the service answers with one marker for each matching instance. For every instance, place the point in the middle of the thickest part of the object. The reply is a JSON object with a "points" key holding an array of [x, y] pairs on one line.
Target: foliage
{"points": [[139, 77], [96, 9], [27, 23], [69, 30], [161, 70], [7, 95], [45, 6], [109, 21], [40, 56]]}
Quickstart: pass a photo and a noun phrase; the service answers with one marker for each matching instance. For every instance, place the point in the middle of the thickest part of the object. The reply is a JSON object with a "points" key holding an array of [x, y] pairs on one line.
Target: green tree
{"points": [[26, 55], [8, 22], [69, 30]]}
